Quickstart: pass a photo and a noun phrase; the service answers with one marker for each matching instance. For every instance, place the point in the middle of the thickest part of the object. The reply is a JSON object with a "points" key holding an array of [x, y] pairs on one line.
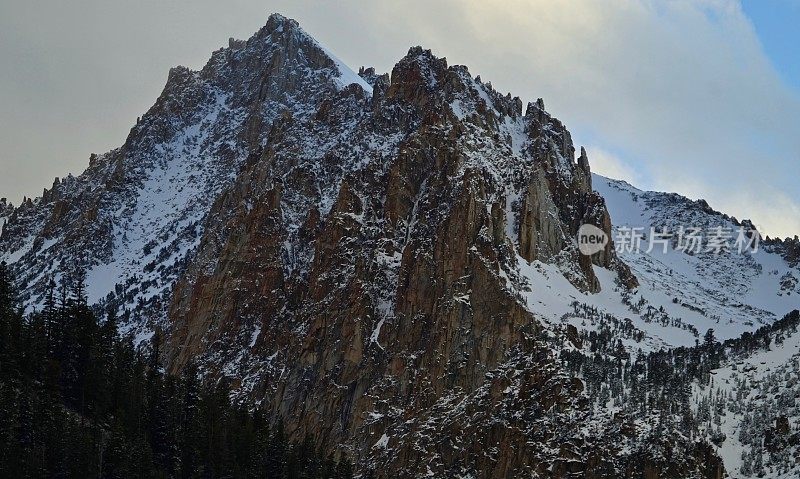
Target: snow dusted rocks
{"points": [[384, 261], [134, 218]]}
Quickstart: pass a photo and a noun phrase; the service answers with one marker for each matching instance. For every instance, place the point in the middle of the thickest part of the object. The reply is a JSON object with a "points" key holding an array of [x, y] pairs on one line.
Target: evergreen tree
{"points": [[77, 400]]}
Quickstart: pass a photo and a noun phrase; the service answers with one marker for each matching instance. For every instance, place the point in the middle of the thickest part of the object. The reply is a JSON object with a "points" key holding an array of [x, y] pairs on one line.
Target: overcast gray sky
{"points": [[671, 95]]}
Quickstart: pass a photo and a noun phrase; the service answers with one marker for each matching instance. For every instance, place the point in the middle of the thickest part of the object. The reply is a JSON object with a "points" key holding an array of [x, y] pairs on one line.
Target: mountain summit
{"points": [[388, 264], [142, 205]]}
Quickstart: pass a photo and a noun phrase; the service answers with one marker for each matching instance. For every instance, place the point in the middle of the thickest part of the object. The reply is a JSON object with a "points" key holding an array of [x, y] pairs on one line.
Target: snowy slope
{"points": [[747, 400], [680, 295], [134, 218], [737, 291]]}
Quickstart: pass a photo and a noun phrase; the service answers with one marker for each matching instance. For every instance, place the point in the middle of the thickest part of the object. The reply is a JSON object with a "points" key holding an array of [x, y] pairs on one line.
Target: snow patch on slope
{"points": [[346, 75], [680, 296]]}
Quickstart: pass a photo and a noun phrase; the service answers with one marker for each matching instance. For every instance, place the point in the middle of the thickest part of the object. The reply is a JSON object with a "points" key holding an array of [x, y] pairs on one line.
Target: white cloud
{"points": [[612, 166]]}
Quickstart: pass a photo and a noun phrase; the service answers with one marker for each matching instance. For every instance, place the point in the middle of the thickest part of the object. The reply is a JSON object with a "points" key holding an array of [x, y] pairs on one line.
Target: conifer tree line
{"points": [[660, 382], [79, 400]]}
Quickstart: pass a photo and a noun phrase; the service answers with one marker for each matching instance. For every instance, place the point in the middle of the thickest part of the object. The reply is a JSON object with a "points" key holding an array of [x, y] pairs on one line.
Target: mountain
{"points": [[134, 216], [389, 264]]}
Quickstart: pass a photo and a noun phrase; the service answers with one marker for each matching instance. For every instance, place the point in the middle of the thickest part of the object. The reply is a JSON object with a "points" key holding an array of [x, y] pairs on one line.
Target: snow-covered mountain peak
{"points": [[135, 215], [288, 32], [375, 248]]}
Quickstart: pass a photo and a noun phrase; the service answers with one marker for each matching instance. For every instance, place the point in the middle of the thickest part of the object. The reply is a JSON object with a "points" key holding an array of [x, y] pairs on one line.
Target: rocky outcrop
{"points": [[788, 248]]}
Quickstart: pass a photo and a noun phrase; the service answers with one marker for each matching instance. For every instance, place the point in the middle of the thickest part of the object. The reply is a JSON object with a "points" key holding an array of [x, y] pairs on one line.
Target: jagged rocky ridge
{"points": [[355, 253]]}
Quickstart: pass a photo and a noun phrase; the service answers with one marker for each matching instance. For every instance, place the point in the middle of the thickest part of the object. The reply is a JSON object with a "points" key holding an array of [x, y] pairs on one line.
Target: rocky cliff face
{"points": [[345, 251], [359, 275]]}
